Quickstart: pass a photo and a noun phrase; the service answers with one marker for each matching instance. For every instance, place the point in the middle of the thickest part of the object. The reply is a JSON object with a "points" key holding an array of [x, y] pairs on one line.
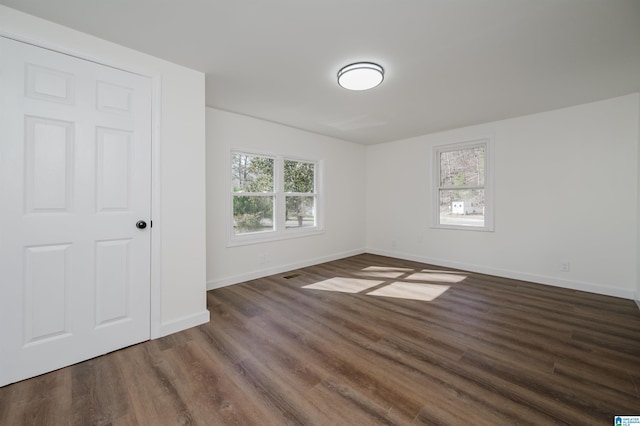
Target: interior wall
{"points": [[343, 183], [566, 188], [178, 274], [638, 217]]}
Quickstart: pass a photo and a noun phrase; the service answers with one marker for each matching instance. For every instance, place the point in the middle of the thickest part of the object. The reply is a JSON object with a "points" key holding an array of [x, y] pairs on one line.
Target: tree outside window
{"points": [[300, 199], [272, 194], [461, 186], [253, 193]]}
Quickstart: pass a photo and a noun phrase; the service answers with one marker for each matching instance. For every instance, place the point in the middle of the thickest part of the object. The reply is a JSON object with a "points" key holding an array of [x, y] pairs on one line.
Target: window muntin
{"points": [[462, 194], [272, 197]]}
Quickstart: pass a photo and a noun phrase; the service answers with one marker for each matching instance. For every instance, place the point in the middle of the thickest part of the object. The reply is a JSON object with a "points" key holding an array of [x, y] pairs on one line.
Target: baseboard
{"points": [[539, 279], [223, 282], [183, 323]]}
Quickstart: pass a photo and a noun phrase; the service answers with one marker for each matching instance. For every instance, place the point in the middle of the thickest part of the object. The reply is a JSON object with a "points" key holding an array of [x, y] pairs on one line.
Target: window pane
{"points": [[251, 173], [462, 207], [298, 176], [462, 167], [300, 211], [252, 214]]}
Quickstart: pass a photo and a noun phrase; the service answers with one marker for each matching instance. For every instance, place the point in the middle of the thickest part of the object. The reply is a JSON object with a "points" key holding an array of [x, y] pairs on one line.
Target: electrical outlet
{"points": [[565, 266]]}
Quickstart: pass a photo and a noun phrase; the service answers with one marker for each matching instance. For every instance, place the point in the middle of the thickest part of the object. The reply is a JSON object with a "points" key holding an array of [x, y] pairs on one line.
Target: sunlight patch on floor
{"points": [[380, 274], [344, 285], [437, 276], [401, 290], [402, 283], [386, 268], [383, 272]]}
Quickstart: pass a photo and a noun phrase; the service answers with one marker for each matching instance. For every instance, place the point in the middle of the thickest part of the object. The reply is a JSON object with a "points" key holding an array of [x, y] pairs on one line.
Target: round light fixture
{"points": [[361, 76]]}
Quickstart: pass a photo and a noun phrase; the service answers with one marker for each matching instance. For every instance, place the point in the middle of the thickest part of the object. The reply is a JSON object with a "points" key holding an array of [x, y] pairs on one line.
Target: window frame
{"points": [[487, 187], [280, 230], [286, 194]]}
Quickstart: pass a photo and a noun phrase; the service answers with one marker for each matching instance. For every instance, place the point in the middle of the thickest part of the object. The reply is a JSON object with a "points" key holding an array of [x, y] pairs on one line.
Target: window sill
{"points": [[258, 238], [463, 228]]}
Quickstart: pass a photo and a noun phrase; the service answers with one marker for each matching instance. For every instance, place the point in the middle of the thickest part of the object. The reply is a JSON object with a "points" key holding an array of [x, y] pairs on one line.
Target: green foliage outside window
{"points": [[252, 175], [299, 178], [254, 192]]}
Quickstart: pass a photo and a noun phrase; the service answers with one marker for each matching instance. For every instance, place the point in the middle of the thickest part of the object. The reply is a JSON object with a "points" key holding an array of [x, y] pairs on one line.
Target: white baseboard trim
{"points": [[539, 279], [223, 282], [183, 323]]}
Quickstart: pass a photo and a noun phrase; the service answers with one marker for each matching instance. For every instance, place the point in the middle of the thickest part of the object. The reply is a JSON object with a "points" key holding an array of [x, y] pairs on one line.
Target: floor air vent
{"points": [[288, 277]]}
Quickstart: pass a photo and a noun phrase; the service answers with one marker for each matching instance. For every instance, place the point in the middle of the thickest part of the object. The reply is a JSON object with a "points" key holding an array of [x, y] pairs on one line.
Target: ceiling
{"points": [[448, 63]]}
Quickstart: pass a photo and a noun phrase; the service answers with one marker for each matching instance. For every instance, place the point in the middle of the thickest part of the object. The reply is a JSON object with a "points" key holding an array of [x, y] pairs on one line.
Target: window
{"points": [[272, 197], [462, 186], [253, 193], [300, 196]]}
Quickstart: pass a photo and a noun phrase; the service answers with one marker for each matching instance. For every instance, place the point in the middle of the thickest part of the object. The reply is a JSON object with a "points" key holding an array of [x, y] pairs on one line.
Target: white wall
{"points": [[179, 258], [566, 187], [344, 174], [638, 218]]}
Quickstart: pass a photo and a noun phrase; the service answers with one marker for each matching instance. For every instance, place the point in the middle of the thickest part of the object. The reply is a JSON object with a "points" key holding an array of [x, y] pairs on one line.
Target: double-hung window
{"points": [[462, 193], [272, 197], [254, 194], [300, 194]]}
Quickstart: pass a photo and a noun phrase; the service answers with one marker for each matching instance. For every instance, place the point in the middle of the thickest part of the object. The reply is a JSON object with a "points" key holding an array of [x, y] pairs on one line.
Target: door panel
{"points": [[112, 281], [75, 177], [48, 165], [113, 160], [46, 292], [112, 98], [49, 84]]}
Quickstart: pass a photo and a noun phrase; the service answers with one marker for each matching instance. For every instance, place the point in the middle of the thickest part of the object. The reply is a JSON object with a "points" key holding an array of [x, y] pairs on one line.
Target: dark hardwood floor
{"points": [[487, 351]]}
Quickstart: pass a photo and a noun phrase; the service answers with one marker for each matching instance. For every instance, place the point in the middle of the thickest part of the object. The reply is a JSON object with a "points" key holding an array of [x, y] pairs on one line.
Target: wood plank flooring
{"points": [[487, 351]]}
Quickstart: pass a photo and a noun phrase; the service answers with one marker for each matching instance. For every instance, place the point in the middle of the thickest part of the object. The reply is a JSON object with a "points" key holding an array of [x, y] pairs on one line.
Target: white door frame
{"points": [[156, 119]]}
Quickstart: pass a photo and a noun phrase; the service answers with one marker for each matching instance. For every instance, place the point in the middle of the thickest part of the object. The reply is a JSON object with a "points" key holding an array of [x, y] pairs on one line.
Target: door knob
{"points": [[141, 224]]}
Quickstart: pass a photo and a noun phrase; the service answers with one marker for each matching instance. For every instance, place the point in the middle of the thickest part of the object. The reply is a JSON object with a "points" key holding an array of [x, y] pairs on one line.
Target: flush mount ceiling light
{"points": [[361, 76]]}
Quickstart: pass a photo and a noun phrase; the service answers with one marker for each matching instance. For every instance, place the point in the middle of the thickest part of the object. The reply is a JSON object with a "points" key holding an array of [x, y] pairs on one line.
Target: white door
{"points": [[75, 178]]}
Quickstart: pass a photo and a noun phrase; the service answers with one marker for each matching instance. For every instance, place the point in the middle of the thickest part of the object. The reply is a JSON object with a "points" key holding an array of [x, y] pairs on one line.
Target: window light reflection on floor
{"points": [[383, 272], [344, 285], [437, 277], [424, 285], [401, 290]]}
